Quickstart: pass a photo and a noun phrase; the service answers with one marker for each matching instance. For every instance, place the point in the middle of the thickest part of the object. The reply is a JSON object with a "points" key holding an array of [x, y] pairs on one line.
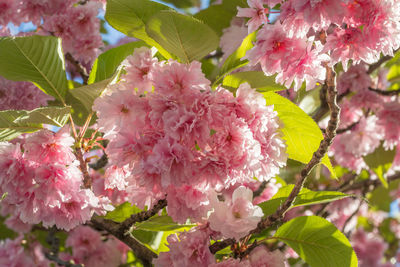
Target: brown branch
{"points": [[330, 134], [79, 67], [369, 183], [376, 65], [50, 256], [87, 180], [384, 92], [260, 189], [54, 243], [140, 250], [142, 216], [350, 127]]}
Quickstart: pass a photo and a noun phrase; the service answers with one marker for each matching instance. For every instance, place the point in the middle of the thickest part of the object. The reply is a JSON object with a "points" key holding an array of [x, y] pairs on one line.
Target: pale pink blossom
{"points": [[389, 120], [79, 29], [369, 247], [351, 43], [118, 107], [299, 16], [354, 79], [175, 79], [189, 249], [89, 249], [364, 138], [339, 151], [13, 254], [48, 147], [21, 95], [231, 39], [261, 257], [187, 202], [231, 263], [257, 13], [305, 66], [139, 69], [235, 218]]}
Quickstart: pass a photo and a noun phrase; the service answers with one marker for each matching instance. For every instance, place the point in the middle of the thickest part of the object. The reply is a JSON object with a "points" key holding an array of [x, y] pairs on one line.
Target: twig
{"points": [[54, 243], [50, 256], [384, 92], [102, 162], [316, 159], [141, 251], [79, 67], [260, 189], [369, 183], [376, 65], [142, 216], [87, 180], [350, 127]]}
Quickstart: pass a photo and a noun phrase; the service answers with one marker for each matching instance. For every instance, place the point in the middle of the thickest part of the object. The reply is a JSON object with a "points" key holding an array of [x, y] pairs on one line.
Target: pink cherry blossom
{"points": [[48, 147], [389, 120], [187, 202], [257, 13], [231, 263], [231, 39], [261, 256], [369, 248], [235, 218], [80, 19], [89, 249], [13, 254], [354, 80], [189, 249], [139, 69], [21, 95]]}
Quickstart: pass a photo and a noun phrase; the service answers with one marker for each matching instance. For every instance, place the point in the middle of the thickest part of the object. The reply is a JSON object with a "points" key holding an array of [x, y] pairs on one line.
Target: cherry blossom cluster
{"points": [[43, 184], [76, 24], [308, 35], [170, 134], [192, 249], [13, 254], [89, 248], [21, 95]]}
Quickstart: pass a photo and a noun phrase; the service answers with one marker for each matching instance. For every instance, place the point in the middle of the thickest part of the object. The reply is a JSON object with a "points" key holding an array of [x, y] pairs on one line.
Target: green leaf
{"points": [[306, 197], [122, 212], [15, 122], [256, 79], [184, 36], [107, 63], [318, 242], [301, 133], [182, 3], [235, 61], [380, 161], [131, 16], [88, 93], [38, 59], [162, 223], [217, 17]]}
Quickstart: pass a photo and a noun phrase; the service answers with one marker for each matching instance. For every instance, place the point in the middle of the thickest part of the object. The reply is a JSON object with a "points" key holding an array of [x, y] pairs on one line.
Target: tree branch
{"points": [[384, 92], [79, 67], [140, 250], [369, 183], [376, 65], [142, 216]]}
